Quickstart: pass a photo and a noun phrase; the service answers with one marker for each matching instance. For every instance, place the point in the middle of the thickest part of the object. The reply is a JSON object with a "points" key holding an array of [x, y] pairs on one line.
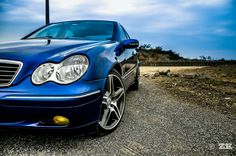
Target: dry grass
{"points": [[152, 70], [213, 87]]}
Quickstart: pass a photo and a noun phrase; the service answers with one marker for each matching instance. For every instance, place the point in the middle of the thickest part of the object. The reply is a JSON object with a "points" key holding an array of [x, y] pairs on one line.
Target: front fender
{"points": [[102, 59]]}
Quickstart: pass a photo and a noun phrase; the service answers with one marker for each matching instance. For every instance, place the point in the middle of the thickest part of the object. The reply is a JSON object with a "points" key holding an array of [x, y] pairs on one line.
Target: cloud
{"points": [[176, 24], [26, 10], [149, 15], [203, 3], [158, 15]]}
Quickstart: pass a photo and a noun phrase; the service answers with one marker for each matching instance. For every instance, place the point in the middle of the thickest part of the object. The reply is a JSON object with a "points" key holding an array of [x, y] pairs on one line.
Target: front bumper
{"points": [[30, 106]]}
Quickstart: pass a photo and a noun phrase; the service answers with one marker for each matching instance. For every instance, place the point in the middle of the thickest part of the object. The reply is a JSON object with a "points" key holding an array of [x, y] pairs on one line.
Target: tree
{"points": [[145, 47], [208, 58], [203, 58]]}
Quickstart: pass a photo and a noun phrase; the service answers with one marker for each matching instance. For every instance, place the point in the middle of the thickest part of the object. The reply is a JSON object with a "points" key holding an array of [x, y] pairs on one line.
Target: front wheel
{"points": [[113, 104]]}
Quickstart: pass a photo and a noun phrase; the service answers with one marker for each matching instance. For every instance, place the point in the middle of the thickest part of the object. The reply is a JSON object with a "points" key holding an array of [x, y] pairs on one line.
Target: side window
{"points": [[122, 34]]}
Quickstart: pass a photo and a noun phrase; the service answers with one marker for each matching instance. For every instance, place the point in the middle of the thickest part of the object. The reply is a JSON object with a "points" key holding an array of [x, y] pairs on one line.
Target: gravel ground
{"points": [[155, 123]]}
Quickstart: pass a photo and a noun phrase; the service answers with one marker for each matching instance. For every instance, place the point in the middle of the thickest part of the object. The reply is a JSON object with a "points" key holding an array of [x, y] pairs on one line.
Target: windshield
{"points": [[82, 30]]}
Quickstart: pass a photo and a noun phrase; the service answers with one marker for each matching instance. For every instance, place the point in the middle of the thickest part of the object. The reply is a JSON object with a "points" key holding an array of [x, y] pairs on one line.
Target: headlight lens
{"points": [[68, 71], [72, 69], [43, 73]]}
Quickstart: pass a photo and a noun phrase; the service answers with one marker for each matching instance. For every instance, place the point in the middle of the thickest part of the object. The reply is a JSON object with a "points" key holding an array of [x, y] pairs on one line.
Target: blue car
{"points": [[68, 75]]}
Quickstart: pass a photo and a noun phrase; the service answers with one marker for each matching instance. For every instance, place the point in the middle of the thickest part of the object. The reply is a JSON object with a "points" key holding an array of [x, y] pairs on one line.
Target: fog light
{"points": [[61, 120]]}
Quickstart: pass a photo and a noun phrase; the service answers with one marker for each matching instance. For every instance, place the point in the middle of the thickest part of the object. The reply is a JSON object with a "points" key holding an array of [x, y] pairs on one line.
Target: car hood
{"points": [[43, 49], [32, 53]]}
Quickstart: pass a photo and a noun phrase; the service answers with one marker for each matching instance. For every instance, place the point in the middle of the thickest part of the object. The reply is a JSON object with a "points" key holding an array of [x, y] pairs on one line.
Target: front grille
{"points": [[8, 71]]}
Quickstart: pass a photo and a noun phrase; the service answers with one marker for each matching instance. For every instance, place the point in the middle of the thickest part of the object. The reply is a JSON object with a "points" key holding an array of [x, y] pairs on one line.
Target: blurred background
{"points": [[191, 28]]}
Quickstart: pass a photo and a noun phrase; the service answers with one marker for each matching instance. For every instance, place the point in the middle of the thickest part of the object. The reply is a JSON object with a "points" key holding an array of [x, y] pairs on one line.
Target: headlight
{"points": [[68, 71], [72, 69], [43, 73]]}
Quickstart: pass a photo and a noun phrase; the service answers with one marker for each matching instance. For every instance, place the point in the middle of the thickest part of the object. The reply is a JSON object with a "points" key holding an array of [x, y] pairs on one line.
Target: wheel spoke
{"points": [[106, 116], [105, 103], [116, 110], [105, 97], [111, 85], [118, 94]]}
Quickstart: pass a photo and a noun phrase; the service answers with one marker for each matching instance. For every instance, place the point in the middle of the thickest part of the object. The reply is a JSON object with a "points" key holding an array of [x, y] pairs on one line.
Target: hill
{"points": [[157, 54]]}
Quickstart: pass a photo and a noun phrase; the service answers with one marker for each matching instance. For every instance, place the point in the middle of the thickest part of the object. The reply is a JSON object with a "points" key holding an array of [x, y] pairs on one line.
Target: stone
{"points": [[156, 74], [146, 75], [190, 75], [164, 73]]}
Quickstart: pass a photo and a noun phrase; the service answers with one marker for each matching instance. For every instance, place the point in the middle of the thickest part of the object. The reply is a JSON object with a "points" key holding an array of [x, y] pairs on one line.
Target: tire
{"points": [[113, 104], [135, 86]]}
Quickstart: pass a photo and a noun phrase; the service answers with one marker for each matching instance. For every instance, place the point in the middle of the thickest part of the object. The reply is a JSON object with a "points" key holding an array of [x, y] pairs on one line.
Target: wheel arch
{"points": [[118, 68]]}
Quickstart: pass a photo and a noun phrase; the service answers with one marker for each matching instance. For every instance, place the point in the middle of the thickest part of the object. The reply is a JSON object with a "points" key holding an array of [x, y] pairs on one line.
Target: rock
{"points": [[234, 105], [205, 76], [146, 75], [164, 73], [172, 74], [190, 75], [169, 74], [175, 75], [156, 74]]}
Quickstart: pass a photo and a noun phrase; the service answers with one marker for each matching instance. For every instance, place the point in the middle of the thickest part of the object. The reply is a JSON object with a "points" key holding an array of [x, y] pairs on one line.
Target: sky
{"points": [[192, 28]]}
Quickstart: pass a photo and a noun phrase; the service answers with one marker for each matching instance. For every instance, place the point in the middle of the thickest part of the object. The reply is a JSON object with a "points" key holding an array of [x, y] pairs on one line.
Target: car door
{"points": [[131, 55], [130, 60]]}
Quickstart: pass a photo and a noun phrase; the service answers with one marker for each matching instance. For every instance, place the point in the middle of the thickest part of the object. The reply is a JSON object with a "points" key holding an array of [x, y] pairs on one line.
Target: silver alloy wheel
{"points": [[113, 103]]}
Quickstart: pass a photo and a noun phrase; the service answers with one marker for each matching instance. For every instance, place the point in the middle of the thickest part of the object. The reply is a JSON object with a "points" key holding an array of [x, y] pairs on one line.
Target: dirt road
{"points": [[155, 123]]}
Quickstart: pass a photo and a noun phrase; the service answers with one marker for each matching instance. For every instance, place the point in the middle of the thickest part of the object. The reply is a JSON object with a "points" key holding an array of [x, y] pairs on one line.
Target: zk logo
{"points": [[225, 146]]}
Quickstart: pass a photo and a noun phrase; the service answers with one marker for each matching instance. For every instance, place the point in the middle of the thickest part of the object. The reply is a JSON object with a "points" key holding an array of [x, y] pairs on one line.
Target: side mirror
{"points": [[130, 44]]}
